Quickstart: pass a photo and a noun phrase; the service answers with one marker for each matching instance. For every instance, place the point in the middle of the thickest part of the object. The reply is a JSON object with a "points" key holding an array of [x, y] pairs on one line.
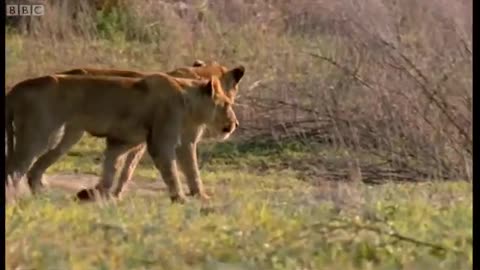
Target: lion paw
{"points": [[203, 196], [91, 194], [85, 195], [181, 199]]}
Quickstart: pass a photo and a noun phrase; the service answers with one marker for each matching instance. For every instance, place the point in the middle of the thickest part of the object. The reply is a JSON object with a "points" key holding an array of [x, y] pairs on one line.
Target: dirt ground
{"points": [[71, 183]]}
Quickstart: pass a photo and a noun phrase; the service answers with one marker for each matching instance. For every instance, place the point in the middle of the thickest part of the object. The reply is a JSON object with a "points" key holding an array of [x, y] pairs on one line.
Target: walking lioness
{"points": [[198, 70], [167, 113]]}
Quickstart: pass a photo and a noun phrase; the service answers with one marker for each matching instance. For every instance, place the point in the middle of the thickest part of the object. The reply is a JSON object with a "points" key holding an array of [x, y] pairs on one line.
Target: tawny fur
{"points": [[167, 112]]}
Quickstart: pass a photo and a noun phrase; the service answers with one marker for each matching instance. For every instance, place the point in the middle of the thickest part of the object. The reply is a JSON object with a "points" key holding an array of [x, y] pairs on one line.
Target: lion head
{"points": [[217, 101]]}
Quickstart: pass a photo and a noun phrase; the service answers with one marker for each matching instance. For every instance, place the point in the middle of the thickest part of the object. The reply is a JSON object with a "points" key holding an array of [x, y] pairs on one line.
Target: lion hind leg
{"points": [[70, 137], [114, 156], [30, 143]]}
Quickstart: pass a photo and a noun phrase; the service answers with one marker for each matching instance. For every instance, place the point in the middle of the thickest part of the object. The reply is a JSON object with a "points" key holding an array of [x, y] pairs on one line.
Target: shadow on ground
{"points": [[72, 183]]}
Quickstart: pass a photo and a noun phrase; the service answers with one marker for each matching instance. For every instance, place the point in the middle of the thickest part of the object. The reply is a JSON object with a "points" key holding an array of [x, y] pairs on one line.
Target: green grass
{"points": [[257, 220]]}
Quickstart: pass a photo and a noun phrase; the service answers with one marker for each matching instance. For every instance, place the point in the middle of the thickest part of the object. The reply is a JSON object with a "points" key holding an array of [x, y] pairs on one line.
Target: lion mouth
{"points": [[220, 134], [225, 137]]}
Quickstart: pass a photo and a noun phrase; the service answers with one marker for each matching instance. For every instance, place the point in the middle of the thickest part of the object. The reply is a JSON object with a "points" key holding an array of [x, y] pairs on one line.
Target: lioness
{"points": [[166, 112], [198, 70]]}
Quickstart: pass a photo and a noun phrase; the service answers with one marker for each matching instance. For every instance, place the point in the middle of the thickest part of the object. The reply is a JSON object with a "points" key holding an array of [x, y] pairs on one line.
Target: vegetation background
{"points": [[338, 96]]}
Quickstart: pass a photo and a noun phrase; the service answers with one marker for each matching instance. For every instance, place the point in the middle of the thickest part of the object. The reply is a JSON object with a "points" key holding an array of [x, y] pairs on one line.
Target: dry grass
{"points": [[388, 78]]}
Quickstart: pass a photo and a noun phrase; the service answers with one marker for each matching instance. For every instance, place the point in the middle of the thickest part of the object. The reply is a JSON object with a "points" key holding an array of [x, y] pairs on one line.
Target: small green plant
{"points": [[113, 22]]}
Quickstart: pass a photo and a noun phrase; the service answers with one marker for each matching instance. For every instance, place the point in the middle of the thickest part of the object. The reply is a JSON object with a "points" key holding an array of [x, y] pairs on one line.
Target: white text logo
{"points": [[25, 10]]}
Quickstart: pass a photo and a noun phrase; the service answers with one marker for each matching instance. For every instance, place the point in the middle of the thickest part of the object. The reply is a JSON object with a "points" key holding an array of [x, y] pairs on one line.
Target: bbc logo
{"points": [[25, 10]]}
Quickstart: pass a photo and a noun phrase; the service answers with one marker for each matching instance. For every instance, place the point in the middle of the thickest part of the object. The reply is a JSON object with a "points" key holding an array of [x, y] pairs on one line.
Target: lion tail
{"points": [[9, 127]]}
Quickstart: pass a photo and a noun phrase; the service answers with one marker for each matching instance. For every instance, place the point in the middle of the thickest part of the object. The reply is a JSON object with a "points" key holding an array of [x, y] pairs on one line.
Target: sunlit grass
{"points": [[256, 220]]}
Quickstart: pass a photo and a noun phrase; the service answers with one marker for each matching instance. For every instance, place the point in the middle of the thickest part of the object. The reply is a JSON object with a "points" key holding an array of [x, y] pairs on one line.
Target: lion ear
{"points": [[237, 73], [198, 63], [231, 78]]}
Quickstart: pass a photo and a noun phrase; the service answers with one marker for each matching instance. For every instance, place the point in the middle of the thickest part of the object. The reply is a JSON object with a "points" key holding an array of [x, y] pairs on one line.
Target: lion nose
{"points": [[227, 130]]}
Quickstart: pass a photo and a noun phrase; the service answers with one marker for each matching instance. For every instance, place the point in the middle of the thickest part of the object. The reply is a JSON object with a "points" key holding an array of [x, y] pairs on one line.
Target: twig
{"points": [[391, 233]]}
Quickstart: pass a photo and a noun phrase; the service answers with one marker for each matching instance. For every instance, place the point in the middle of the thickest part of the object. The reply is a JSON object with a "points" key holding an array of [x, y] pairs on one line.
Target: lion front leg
{"points": [[164, 160], [187, 160], [163, 138]]}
